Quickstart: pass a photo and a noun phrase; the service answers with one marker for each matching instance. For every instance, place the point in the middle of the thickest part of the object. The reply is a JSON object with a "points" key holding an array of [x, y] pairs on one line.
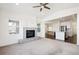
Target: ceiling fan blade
{"points": [[46, 7], [40, 9], [36, 6], [46, 3]]}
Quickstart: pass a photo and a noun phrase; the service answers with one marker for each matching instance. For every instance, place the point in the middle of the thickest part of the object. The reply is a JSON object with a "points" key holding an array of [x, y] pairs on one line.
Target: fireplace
{"points": [[30, 33]]}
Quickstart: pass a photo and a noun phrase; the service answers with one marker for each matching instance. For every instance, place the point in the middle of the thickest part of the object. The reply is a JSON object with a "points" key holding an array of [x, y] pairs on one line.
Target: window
{"points": [[13, 27], [63, 28], [38, 27]]}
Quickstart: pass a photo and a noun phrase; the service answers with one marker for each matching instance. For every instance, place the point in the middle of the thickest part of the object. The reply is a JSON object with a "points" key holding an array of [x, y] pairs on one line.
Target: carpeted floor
{"points": [[41, 47]]}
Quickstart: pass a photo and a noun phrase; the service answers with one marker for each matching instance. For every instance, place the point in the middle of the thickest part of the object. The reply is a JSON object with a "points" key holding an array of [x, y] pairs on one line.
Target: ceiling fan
{"points": [[42, 5]]}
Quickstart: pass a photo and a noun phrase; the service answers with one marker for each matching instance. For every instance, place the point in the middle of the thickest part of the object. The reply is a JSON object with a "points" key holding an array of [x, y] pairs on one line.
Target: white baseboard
{"points": [[2, 45]]}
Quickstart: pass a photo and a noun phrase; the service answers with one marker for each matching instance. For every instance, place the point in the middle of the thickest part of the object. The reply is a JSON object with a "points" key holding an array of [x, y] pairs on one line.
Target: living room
{"points": [[18, 20]]}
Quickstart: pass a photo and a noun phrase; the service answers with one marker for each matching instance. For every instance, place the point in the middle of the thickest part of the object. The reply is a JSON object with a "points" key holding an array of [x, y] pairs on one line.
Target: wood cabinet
{"points": [[50, 34]]}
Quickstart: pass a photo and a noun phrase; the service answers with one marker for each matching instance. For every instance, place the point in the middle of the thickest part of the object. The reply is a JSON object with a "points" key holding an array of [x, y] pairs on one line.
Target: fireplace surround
{"points": [[29, 32]]}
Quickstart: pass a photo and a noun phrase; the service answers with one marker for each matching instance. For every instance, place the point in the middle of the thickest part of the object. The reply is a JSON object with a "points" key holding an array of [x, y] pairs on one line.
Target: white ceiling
{"points": [[27, 8]]}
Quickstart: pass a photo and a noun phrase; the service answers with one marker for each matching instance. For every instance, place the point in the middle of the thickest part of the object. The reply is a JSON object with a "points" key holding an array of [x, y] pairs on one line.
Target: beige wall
{"points": [[25, 21], [74, 27]]}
